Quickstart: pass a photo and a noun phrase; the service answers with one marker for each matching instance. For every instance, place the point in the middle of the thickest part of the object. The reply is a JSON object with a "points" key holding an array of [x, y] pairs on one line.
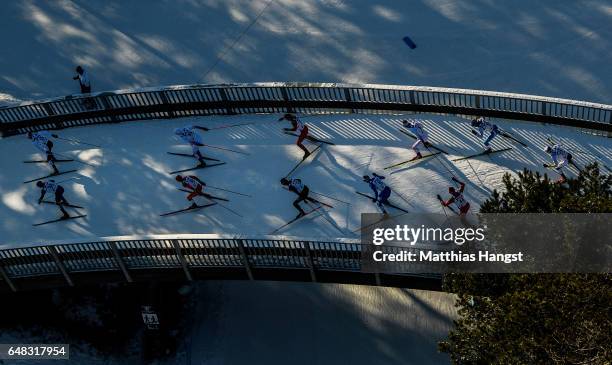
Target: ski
{"points": [[312, 199], [192, 156], [312, 139], [48, 176], [442, 201], [196, 168], [206, 195], [387, 203], [483, 154], [59, 220], [509, 136], [303, 159], [426, 144], [384, 218], [318, 202], [65, 205], [411, 160], [45, 161], [187, 209], [224, 126], [295, 219]]}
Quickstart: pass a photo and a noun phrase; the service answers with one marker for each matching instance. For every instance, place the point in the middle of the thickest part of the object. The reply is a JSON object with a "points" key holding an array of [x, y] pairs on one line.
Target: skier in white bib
{"points": [[42, 141], [296, 186], [457, 198], [52, 187], [416, 128], [560, 158], [381, 190], [301, 128], [485, 127], [190, 136], [194, 184]]}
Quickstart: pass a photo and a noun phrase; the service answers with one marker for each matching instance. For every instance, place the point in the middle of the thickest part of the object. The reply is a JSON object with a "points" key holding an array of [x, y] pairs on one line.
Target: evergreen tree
{"points": [[536, 318]]}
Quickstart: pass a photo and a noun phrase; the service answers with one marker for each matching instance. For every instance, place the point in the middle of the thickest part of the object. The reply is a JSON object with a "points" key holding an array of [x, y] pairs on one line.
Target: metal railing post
{"points": [[119, 260], [228, 109], [286, 99], [7, 279], [59, 264], [164, 98], [245, 259], [310, 262], [181, 258]]}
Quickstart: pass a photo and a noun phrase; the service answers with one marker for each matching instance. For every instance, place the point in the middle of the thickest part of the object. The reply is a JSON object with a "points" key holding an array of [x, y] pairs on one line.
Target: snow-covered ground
{"points": [[128, 185], [555, 48]]}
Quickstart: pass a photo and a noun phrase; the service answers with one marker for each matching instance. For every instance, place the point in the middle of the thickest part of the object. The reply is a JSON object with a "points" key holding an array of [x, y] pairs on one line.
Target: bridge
{"points": [[193, 257]]}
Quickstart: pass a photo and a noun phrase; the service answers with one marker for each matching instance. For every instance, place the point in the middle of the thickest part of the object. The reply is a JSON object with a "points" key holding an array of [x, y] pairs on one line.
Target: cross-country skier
{"points": [[484, 127], [457, 198], [194, 184], [381, 190], [560, 159], [41, 140], [189, 135], [416, 128], [301, 128], [300, 189], [51, 186]]}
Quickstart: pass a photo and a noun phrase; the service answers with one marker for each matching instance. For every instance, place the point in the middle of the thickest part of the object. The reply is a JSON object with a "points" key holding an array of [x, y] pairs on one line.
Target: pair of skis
{"points": [[311, 139], [61, 219], [189, 209], [199, 167], [387, 203], [50, 175], [484, 153], [303, 159], [416, 158], [313, 209], [427, 144]]}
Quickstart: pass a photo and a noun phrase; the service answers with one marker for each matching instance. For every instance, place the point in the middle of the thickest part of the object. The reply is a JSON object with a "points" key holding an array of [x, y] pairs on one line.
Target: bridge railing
{"points": [[227, 99], [197, 253]]}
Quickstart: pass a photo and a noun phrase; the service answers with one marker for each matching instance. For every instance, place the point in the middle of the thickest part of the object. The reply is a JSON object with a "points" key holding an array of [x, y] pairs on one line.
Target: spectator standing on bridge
{"points": [[85, 85], [83, 78]]}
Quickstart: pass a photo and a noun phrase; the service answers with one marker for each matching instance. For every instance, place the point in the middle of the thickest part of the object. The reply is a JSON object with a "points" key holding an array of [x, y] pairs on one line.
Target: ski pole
{"points": [[223, 206], [329, 197], [229, 191], [226, 126], [79, 142], [226, 149], [75, 159]]}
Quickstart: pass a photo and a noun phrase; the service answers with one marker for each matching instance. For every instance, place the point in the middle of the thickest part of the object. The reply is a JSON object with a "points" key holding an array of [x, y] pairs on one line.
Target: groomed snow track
{"points": [[126, 185]]}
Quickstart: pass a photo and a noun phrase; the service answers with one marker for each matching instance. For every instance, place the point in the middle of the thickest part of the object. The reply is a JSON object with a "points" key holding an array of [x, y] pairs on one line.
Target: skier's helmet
{"points": [[547, 149], [179, 178], [29, 135], [40, 184], [475, 123], [451, 190], [366, 178], [79, 70], [284, 181]]}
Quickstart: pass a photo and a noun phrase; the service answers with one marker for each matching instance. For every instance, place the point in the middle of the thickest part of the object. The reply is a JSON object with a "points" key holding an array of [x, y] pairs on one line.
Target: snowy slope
{"points": [[128, 185], [555, 48]]}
